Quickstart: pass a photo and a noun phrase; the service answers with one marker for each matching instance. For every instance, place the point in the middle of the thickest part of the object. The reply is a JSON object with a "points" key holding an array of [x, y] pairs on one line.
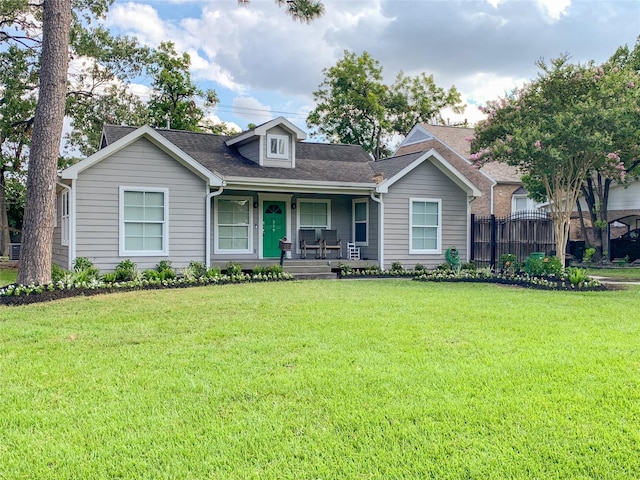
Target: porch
{"points": [[300, 268]]}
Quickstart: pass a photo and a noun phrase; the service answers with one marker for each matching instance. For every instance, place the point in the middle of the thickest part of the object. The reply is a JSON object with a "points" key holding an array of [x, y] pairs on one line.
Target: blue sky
{"points": [[262, 64]]}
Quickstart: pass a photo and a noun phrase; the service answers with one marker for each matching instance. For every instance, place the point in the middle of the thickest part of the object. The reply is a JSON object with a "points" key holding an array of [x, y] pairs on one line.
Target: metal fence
{"points": [[519, 234]]}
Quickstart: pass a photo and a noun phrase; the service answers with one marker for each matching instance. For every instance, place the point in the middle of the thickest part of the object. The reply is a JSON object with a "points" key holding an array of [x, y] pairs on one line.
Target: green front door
{"points": [[273, 228]]}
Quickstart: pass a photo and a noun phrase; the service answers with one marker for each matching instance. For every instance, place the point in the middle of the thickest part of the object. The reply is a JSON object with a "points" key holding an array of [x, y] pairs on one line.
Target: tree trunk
{"points": [[5, 237], [39, 211]]}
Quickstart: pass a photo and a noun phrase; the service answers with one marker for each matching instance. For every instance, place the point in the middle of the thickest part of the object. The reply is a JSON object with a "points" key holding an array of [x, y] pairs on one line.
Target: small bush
{"points": [[577, 276], [588, 254], [397, 267], [85, 270], [110, 277], [198, 269], [540, 267], [469, 266], [234, 269], [151, 275], [165, 270], [419, 268], [444, 267], [508, 263], [214, 272], [126, 271], [58, 273]]}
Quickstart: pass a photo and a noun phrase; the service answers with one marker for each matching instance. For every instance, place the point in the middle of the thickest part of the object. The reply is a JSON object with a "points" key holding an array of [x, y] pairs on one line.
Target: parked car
{"points": [[626, 245]]}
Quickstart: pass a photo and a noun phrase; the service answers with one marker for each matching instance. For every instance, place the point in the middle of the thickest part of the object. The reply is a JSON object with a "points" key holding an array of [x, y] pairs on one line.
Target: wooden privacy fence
{"points": [[519, 234]]}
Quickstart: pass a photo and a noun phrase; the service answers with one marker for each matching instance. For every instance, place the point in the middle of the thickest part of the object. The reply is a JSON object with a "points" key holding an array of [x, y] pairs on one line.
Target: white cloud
{"points": [[554, 9], [251, 110]]}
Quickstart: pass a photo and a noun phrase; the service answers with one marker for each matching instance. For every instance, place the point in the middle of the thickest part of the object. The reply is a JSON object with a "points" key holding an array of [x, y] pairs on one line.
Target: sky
{"points": [[263, 64]]}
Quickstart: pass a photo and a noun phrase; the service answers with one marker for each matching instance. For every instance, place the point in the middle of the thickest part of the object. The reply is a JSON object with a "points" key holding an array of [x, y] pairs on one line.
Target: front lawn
{"points": [[319, 379]]}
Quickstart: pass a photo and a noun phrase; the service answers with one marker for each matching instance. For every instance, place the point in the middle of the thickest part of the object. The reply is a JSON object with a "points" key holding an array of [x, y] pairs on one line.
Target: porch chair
{"points": [[329, 241], [353, 252], [307, 239]]}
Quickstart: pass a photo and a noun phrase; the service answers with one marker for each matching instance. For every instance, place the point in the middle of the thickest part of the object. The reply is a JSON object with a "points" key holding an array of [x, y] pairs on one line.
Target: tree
{"points": [[174, 95], [619, 104], [18, 81], [39, 211], [555, 131], [354, 106]]}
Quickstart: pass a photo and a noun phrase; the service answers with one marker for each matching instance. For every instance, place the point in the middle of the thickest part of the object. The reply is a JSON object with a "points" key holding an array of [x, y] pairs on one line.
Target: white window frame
{"points": [[366, 221], [285, 146], [249, 226], [438, 249], [314, 200], [123, 252], [64, 218]]}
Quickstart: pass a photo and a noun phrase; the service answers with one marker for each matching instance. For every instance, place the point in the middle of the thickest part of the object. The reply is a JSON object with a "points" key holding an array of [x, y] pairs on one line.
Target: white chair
{"points": [[353, 252]]}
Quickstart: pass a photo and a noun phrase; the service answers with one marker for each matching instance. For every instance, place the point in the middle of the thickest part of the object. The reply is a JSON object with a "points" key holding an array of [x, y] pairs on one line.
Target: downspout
{"points": [[72, 222], [493, 184], [380, 203], [207, 223]]}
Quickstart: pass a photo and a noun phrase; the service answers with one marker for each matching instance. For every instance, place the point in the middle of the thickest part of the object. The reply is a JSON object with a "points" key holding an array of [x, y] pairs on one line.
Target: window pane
{"points": [[134, 213], [361, 232], [360, 212], [314, 214], [134, 198], [154, 199]]}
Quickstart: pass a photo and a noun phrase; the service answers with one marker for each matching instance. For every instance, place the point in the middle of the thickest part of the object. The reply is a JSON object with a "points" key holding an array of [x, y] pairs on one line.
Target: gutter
{"points": [[380, 203], [207, 223]]}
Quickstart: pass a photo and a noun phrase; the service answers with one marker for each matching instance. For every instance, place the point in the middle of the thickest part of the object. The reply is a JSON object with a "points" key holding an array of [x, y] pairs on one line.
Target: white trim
{"points": [[207, 224], [261, 130], [306, 186], [64, 215], [444, 166], [419, 129], [285, 145], [262, 197], [250, 226], [364, 200], [431, 251], [165, 223], [380, 201], [159, 141]]}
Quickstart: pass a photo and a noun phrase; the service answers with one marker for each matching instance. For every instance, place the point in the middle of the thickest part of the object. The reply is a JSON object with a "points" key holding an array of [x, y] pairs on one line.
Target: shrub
{"points": [[540, 267], [85, 270], [58, 273], [165, 270], [275, 270], [508, 263], [443, 267], [150, 275], [214, 272], [577, 276], [197, 269], [110, 277], [234, 269], [126, 271], [419, 268], [588, 254], [397, 267], [469, 266]]}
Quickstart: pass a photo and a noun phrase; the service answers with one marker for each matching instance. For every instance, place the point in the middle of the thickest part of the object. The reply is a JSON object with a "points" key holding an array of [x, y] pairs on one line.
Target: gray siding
{"points": [[426, 181], [139, 165], [251, 151]]}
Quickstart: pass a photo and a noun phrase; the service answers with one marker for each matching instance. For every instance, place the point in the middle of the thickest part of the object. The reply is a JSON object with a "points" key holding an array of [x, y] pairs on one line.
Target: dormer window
{"points": [[278, 146]]}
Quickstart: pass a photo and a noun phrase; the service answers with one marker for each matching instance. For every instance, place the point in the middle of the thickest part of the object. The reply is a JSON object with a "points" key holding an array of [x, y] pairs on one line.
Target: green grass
{"points": [[318, 379], [626, 273], [7, 276]]}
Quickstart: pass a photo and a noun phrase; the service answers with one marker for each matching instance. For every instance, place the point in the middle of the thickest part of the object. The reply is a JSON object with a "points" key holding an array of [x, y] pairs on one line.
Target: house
{"points": [[149, 195], [502, 191]]}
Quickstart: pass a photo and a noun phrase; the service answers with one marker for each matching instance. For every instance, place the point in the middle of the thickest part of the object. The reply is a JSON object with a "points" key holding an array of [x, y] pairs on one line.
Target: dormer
{"points": [[272, 144]]}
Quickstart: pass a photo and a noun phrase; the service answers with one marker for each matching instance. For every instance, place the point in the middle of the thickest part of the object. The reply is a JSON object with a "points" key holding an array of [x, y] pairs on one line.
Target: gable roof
{"points": [[458, 140], [130, 136], [395, 168], [316, 163], [264, 128]]}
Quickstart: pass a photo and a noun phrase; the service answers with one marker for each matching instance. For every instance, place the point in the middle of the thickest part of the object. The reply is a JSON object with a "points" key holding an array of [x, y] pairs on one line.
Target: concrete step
{"points": [[316, 276], [307, 268]]}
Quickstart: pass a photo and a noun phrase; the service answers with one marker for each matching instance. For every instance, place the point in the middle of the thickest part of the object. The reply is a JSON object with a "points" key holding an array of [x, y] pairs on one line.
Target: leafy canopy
{"points": [[354, 105]]}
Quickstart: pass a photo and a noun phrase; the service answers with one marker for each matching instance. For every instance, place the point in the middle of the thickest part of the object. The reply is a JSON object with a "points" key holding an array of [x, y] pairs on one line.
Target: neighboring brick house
{"points": [[500, 184]]}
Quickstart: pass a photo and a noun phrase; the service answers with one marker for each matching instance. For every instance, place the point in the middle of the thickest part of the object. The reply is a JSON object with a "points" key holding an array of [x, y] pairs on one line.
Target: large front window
{"points": [[314, 214], [425, 229], [233, 225], [143, 221]]}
